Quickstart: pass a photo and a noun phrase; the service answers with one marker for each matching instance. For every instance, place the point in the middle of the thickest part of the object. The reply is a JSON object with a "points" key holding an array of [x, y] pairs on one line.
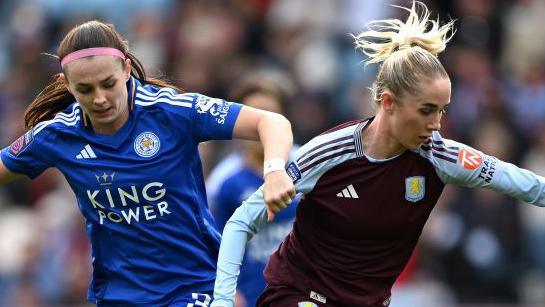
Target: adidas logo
{"points": [[348, 192], [86, 153], [317, 296]]}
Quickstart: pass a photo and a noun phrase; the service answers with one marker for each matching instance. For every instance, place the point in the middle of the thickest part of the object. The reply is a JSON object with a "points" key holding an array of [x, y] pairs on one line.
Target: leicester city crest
{"points": [[415, 188], [147, 144]]}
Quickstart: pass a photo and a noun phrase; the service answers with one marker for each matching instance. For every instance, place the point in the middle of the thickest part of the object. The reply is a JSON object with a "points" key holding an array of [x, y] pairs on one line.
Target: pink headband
{"points": [[83, 53]]}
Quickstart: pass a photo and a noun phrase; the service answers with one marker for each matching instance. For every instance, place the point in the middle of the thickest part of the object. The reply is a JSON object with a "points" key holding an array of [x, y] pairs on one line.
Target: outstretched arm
{"points": [[460, 164], [274, 132]]}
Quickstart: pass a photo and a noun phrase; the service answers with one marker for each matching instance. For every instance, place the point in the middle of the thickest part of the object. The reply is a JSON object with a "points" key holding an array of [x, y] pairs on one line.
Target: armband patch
{"points": [[293, 172], [21, 143]]}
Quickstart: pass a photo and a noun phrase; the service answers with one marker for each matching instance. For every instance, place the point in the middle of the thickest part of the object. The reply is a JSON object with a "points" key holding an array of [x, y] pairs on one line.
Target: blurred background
{"points": [[479, 248]]}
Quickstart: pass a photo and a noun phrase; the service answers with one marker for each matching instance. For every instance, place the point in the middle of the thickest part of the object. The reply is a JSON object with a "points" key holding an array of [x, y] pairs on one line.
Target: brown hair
{"points": [[407, 50], [54, 98]]}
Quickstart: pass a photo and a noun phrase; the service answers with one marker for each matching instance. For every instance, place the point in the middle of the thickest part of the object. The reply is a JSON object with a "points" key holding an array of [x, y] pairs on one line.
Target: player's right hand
{"points": [[278, 192]]}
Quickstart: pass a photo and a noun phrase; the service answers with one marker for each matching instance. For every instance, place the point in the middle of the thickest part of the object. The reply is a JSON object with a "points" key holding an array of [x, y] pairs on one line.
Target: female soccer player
{"points": [[127, 146], [369, 186]]}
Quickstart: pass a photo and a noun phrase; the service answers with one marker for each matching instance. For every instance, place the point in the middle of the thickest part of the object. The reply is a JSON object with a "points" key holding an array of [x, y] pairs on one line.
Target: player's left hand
{"points": [[278, 192]]}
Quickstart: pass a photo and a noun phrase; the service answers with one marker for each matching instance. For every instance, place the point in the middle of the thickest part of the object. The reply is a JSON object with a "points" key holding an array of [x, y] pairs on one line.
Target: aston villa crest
{"points": [[415, 188]]}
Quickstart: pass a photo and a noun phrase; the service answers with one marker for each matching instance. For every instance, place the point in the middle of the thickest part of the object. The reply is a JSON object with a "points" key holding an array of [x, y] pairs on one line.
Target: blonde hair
{"points": [[407, 50]]}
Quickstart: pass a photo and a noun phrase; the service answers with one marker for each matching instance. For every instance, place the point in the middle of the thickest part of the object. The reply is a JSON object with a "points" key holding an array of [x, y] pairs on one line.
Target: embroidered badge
{"points": [[415, 188], [147, 144]]}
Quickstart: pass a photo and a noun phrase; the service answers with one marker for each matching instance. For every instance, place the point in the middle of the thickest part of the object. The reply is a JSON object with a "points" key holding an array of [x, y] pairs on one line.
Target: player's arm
{"points": [[240, 228], [5, 174], [472, 168], [274, 132]]}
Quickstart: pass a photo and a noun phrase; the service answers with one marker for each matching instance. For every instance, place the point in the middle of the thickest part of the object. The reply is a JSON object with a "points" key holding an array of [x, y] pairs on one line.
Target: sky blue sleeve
{"points": [[214, 118], [241, 227], [460, 164], [27, 155]]}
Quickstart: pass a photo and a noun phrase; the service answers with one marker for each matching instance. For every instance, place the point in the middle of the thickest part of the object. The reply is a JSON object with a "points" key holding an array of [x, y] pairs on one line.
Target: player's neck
{"points": [[378, 141]]}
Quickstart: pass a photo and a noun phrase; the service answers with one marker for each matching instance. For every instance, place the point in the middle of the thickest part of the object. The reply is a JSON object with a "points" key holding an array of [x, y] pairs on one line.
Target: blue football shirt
{"points": [[140, 190]]}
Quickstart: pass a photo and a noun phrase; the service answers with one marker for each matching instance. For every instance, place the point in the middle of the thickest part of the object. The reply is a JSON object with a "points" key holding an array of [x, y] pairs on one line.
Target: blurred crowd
{"points": [[478, 249]]}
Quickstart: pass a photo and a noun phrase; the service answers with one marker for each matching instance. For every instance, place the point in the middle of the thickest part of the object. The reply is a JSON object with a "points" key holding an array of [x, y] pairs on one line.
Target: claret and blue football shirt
{"points": [[360, 217], [140, 190]]}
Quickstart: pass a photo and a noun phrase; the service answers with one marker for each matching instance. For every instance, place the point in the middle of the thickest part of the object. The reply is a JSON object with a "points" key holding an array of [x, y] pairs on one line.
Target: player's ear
{"points": [[64, 80], [127, 69], [387, 101]]}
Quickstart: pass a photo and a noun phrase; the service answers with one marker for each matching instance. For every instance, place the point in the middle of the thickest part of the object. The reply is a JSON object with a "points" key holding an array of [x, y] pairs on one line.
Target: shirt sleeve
{"points": [[27, 155], [213, 118], [460, 164]]}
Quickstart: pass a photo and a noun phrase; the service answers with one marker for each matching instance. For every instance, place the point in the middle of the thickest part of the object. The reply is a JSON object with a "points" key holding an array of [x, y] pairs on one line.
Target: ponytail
{"points": [[387, 36], [407, 50]]}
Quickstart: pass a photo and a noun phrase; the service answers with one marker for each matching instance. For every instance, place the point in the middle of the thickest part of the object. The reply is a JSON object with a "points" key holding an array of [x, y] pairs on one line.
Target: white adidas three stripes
{"points": [[86, 153], [348, 192]]}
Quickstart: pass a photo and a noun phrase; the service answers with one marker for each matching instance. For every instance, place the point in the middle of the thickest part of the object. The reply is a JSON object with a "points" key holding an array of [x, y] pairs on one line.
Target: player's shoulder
{"points": [[334, 146], [46, 133], [440, 151], [346, 126], [67, 121], [343, 136], [148, 97]]}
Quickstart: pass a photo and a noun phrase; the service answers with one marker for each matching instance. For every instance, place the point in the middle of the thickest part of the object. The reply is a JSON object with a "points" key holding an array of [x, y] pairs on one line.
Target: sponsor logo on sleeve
{"points": [[415, 188], [218, 108], [293, 172], [469, 159], [21, 143], [488, 169]]}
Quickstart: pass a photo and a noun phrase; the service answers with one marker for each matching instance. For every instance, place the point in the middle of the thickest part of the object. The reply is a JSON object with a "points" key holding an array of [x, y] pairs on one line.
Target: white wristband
{"points": [[275, 164]]}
